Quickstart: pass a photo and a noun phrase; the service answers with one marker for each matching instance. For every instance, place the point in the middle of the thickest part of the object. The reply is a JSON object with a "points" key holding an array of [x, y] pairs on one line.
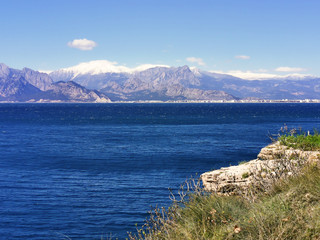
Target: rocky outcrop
{"points": [[277, 151], [273, 161]]}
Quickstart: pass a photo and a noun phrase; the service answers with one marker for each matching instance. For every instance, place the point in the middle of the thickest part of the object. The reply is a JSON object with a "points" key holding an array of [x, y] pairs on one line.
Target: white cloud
{"points": [[198, 61], [82, 44], [289, 69], [250, 75], [242, 57], [258, 75]]}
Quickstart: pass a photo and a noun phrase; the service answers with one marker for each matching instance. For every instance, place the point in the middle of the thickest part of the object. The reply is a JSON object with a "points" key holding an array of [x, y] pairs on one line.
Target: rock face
{"points": [[274, 160], [73, 92], [31, 86], [37, 79]]}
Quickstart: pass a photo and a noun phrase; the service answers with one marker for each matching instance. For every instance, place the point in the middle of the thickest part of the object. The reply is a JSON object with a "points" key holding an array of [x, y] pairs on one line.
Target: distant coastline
{"points": [[227, 101], [179, 101]]}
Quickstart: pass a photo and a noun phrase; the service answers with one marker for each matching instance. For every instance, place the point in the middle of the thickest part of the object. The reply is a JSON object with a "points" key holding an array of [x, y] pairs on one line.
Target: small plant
{"points": [[245, 175]]}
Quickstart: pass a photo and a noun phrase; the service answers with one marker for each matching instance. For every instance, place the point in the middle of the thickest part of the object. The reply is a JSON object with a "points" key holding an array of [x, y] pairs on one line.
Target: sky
{"points": [[229, 36]]}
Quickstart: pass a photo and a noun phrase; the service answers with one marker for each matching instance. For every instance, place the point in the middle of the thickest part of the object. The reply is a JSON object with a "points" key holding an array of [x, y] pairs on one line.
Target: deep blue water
{"points": [[91, 170]]}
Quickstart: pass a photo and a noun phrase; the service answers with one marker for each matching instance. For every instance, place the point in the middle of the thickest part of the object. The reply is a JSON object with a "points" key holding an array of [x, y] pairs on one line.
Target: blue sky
{"points": [[270, 36]]}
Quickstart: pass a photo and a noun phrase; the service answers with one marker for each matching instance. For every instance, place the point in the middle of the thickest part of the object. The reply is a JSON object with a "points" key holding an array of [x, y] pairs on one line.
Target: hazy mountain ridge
{"points": [[29, 85], [183, 83]]}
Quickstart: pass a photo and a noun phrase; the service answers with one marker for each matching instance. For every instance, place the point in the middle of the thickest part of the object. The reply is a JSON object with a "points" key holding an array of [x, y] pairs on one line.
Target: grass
{"points": [[301, 141], [289, 210]]}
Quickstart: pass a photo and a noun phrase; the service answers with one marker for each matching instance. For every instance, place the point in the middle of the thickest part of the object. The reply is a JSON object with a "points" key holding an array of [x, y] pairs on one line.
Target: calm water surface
{"points": [[91, 170]]}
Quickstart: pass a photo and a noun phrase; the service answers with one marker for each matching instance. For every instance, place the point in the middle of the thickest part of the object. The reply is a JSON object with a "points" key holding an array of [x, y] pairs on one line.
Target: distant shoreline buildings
{"points": [[178, 101], [228, 101]]}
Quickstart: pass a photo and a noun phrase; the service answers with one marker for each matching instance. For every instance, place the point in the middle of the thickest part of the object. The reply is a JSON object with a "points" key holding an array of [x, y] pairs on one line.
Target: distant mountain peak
{"points": [[4, 70], [95, 67], [185, 67], [195, 71], [2, 66]]}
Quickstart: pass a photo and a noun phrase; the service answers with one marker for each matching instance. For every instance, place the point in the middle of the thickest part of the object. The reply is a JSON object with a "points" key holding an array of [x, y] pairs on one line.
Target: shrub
{"points": [[301, 141]]}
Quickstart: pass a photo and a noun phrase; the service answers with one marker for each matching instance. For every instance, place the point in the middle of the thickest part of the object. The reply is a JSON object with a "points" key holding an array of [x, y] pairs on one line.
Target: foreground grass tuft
{"points": [[290, 210]]}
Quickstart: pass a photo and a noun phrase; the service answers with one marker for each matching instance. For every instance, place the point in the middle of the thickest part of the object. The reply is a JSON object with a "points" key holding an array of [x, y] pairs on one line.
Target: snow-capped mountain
{"points": [[152, 82], [100, 67], [146, 82]]}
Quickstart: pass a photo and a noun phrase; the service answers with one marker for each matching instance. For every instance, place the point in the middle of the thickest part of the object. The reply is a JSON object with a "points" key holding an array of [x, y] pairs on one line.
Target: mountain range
{"points": [[102, 81], [27, 85]]}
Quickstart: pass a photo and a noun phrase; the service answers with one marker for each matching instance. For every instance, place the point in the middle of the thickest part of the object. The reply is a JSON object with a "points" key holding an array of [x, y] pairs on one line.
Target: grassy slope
{"points": [[290, 211]]}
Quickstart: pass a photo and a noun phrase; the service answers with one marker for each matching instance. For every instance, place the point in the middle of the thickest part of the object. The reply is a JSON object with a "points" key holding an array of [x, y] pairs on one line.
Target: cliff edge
{"points": [[274, 161]]}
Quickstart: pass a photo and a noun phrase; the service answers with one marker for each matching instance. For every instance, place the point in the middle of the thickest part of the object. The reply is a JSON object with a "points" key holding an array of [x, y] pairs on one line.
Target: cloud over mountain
{"points": [[104, 66], [290, 69], [198, 61]]}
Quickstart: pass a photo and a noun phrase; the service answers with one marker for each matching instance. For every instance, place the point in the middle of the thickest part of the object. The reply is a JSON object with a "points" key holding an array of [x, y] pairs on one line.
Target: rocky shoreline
{"points": [[274, 161]]}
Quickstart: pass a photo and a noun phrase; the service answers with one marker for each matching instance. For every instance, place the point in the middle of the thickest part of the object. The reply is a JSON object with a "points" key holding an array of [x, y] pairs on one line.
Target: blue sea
{"points": [[87, 171]]}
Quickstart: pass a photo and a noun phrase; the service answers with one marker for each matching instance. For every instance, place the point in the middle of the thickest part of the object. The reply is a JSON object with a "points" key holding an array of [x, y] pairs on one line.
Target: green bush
{"points": [[301, 141]]}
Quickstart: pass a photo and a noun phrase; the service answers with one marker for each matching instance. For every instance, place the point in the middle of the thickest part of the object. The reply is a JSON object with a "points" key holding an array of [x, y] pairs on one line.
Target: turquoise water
{"points": [[91, 170]]}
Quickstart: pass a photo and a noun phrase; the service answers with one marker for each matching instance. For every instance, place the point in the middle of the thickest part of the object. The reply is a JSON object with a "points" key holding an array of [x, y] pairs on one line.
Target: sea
{"points": [[93, 171]]}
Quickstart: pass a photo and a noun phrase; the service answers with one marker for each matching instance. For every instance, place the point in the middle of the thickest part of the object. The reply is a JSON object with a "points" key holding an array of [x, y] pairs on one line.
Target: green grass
{"points": [[301, 141], [290, 210]]}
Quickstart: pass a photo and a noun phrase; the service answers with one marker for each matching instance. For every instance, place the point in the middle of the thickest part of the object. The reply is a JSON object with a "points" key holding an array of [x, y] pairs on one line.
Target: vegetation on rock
{"points": [[285, 206], [301, 141], [289, 210]]}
